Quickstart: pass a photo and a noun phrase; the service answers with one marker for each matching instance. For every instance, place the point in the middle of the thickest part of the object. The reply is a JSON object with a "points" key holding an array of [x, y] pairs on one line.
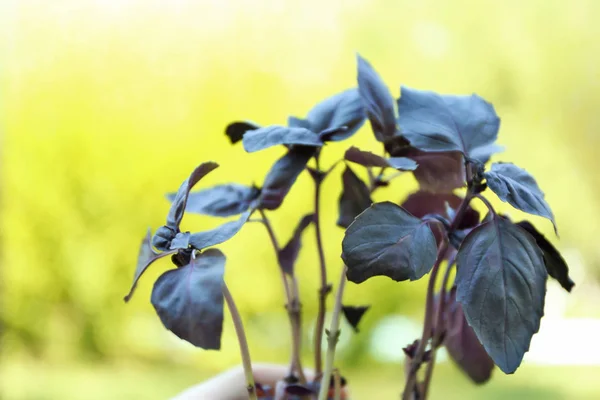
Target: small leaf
{"points": [[179, 202], [146, 256], [236, 130], [287, 256], [189, 300], [501, 285], [555, 264], [439, 123], [221, 200], [269, 136], [354, 314], [282, 176], [377, 100], [462, 344], [518, 188], [181, 241], [386, 240], [355, 198], [343, 109], [368, 159], [220, 234]]}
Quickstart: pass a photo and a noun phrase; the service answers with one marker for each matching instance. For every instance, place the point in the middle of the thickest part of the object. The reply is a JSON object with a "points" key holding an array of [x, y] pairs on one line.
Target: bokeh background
{"points": [[106, 105]]}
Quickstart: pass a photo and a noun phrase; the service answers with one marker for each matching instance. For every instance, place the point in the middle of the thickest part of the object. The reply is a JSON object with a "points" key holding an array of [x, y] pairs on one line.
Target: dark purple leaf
{"points": [[146, 256], [220, 234], [386, 240], [343, 109], [221, 200], [355, 198], [555, 265], [189, 300], [282, 176], [287, 256], [441, 123], [438, 172], [297, 389], [462, 344], [368, 159], [179, 202], [354, 314], [518, 188], [422, 203], [274, 135], [501, 285], [377, 100], [236, 130]]}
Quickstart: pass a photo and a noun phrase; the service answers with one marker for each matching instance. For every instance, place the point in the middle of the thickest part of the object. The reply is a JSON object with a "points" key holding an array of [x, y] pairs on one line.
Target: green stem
{"points": [[332, 337], [239, 330]]}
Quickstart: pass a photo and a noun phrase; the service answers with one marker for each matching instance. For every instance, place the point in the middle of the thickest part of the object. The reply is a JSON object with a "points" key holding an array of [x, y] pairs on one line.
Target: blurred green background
{"points": [[108, 104]]}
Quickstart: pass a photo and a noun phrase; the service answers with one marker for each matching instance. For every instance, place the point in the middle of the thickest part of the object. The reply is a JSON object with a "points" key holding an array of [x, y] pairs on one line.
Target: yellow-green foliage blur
{"points": [[106, 105]]}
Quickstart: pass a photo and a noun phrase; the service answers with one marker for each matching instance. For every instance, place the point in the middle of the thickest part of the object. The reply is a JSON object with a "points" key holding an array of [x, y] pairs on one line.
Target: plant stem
{"points": [[324, 290], [239, 330], [332, 337], [487, 204], [418, 358], [439, 328], [337, 379], [292, 305]]}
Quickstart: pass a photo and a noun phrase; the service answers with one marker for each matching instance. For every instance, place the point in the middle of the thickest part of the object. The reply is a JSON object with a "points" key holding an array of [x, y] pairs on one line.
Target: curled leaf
{"points": [[189, 300], [377, 100], [282, 176], [294, 122], [220, 234], [555, 264], [179, 201], [344, 109], [355, 198], [354, 314], [146, 256], [368, 159], [441, 123], [269, 136], [518, 188], [236, 130], [287, 255], [221, 200], [501, 285], [386, 240]]}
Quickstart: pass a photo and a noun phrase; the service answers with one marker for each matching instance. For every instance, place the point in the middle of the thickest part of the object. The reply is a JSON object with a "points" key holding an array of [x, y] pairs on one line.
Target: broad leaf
{"points": [[282, 176], [354, 314], [368, 159], [355, 198], [236, 130], [146, 256], [377, 100], [555, 264], [294, 122], [422, 203], [220, 234], [343, 109], [438, 172], [462, 344], [439, 123], [501, 285], [269, 136], [179, 202], [221, 200], [386, 240], [287, 256], [518, 188], [189, 300]]}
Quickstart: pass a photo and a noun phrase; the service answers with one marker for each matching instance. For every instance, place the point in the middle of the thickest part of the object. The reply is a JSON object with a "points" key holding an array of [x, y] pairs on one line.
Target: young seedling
{"points": [[486, 315]]}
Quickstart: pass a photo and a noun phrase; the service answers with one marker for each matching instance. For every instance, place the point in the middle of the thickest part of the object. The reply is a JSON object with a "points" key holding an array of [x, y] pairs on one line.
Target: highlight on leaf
{"points": [[517, 187], [269, 136], [368, 159], [223, 200], [387, 240]]}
